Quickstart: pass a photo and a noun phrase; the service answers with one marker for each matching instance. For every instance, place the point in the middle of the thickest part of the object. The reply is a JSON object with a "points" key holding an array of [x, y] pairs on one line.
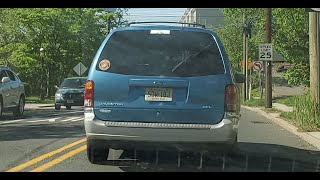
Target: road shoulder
{"points": [[310, 137]]}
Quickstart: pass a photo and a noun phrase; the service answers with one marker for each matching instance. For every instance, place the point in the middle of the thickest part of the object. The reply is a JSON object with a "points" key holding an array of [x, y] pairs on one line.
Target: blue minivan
{"points": [[161, 86]]}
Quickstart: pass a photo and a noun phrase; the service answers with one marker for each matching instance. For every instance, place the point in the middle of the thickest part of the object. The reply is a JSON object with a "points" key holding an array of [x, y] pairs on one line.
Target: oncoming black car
{"points": [[70, 92]]}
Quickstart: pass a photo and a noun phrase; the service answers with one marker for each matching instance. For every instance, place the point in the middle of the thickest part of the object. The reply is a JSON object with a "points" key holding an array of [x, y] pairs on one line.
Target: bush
{"points": [[305, 113]]}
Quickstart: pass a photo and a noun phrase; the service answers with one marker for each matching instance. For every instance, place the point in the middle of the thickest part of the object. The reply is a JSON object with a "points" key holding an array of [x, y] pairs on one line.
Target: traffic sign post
{"points": [[266, 55], [258, 66], [250, 64], [80, 69], [247, 88]]}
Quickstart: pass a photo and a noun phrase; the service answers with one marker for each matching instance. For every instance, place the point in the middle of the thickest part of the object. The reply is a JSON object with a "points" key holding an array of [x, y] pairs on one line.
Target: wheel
{"points": [[19, 110], [96, 151], [57, 107], [68, 107]]}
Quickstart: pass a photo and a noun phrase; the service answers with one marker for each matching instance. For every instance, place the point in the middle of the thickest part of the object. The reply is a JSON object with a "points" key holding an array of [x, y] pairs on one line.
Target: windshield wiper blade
{"points": [[185, 60]]}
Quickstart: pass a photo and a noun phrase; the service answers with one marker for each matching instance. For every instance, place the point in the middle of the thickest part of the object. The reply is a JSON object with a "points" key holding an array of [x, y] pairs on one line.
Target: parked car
{"points": [[12, 93], [161, 86], [70, 92]]}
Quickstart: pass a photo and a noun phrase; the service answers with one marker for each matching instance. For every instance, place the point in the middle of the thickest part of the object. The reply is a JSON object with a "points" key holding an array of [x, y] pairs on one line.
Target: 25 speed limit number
{"points": [[265, 52]]}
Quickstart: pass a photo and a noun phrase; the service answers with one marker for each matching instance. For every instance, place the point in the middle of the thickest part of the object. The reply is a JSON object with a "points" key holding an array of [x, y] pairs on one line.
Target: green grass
{"points": [[288, 101], [255, 93], [304, 115], [254, 103], [290, 117], [36, 99], [272, 110]]}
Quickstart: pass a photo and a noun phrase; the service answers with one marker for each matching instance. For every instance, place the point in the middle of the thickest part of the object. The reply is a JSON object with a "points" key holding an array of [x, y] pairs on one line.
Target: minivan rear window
{"points": [[177, 53], [73, 83]]}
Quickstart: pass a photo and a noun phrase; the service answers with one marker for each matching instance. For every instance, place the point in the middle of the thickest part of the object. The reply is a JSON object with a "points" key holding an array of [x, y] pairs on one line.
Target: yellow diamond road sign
{"points": [[249, 64]]}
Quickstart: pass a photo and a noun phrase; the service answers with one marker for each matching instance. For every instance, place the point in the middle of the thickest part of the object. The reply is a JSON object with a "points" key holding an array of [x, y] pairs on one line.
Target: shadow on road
{"points": [[8, 116], [30, 113], [15, 132], [250, 157]]}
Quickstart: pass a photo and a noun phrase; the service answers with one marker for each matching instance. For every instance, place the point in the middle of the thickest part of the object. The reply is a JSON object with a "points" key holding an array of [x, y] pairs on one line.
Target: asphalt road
{"points": [[54, 141]]}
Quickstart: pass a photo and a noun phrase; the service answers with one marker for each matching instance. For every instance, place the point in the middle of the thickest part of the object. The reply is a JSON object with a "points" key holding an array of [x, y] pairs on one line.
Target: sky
{"points": [[155, 14]]}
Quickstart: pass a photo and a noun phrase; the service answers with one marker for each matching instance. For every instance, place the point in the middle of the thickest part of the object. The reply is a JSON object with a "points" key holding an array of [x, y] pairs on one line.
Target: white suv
{"points": [[12, 93]]}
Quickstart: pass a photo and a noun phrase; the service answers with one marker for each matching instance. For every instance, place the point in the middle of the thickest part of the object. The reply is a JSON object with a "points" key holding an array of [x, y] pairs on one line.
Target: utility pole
{"points": [[244, 86], [318, 56], [41, 51], [246, 64], [314, 62], [246, 35], [268, 102]]}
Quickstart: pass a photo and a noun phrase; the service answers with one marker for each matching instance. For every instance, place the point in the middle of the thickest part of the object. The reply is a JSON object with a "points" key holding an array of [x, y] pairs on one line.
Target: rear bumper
{"points": [[119, 134]]}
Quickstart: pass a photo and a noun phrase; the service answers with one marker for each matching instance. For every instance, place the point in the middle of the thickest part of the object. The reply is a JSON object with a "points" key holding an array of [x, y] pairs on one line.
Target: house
{"points": [[210, 17], [213, 18]]}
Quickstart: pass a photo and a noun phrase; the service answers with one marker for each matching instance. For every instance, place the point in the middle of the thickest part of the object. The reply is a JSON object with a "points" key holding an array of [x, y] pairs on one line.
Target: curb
{"points": [[274, 117], [37, 106]]}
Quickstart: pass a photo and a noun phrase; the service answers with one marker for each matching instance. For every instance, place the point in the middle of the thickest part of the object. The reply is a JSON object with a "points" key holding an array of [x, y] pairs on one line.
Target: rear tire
{"points": [[68, 107], [57, 107], [234, 147], [1, 107], [97, 152], [19, 110]]}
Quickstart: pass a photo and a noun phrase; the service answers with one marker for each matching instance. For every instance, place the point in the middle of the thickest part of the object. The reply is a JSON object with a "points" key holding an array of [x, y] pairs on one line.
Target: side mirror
{"points": [[240, 78], [5, 79], [57, 87]]}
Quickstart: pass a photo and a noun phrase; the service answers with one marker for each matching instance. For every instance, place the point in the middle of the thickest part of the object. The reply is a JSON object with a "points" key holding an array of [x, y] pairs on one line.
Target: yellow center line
{"points": [[40, 158], [59, 159]]}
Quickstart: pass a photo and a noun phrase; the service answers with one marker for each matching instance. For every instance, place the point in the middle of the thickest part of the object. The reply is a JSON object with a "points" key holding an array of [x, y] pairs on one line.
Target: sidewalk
{"points": [[30, 105], [311, 137]]}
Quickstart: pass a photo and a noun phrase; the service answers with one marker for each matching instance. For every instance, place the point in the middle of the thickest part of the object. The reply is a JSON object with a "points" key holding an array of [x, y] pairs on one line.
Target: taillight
{"points": [[230, 98], [88, 94]]}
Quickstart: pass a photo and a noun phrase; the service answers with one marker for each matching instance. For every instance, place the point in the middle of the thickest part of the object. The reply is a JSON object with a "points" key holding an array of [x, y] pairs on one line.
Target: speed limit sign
{"points": [[265, 52]]}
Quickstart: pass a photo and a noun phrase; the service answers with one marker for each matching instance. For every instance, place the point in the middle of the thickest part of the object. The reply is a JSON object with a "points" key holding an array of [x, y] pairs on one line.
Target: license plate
{"points": [[69, 101], [158, 94]]}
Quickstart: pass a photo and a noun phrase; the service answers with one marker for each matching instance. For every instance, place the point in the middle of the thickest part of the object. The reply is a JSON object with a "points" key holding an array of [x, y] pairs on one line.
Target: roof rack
{"points": [[162, 22]]}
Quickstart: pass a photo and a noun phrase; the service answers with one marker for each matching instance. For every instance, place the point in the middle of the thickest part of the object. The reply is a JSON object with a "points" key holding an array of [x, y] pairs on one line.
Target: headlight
{"points": [[58, 95]]}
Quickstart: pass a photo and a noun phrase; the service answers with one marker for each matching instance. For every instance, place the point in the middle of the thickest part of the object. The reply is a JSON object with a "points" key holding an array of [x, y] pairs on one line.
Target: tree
{"points": [[231, 33], [66, 36], [289, 37]]}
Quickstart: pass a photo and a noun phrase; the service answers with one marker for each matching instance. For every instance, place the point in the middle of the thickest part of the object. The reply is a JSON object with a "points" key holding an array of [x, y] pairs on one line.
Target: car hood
{"points": [[70, 90]]}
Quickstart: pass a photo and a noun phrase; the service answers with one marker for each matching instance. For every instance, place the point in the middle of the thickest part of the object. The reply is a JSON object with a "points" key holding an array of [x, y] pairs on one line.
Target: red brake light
{"points": [[230, 98], [88, 94]]}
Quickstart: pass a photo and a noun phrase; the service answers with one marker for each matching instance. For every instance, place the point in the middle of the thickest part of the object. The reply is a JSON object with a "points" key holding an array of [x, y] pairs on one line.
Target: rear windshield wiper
{"points": [[185, 60]]}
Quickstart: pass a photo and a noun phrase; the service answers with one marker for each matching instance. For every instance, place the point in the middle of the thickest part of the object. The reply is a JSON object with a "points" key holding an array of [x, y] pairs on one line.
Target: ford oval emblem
{"points": [[158, 83]]}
